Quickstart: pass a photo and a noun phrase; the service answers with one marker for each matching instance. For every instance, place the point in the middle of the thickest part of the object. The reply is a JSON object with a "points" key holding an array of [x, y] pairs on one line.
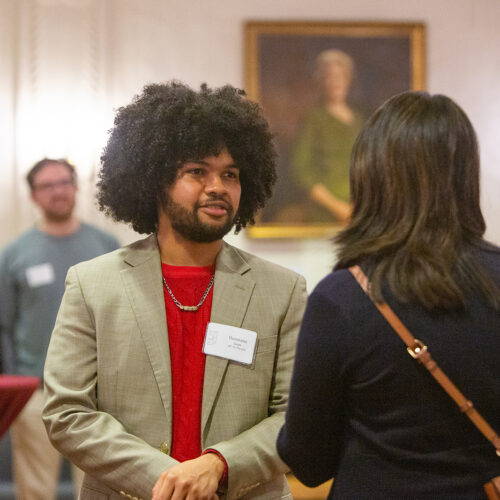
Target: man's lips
{"points": [[59, 201], [215, 208]]}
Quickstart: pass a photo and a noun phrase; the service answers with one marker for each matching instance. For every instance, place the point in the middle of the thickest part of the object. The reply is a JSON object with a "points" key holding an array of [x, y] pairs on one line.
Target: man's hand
{"points": [[196, 479]]}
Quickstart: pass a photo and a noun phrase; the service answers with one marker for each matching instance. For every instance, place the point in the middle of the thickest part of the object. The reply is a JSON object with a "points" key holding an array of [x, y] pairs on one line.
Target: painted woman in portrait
{"points": [[320, 156]]}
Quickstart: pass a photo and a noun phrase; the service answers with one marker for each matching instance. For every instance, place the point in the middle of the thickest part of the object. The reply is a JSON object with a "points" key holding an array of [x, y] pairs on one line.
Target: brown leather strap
{"points": [[492, 489], [419, 351]]}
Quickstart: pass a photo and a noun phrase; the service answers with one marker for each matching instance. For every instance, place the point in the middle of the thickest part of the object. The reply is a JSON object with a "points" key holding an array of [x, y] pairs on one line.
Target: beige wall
{"points": [[91, 56]]}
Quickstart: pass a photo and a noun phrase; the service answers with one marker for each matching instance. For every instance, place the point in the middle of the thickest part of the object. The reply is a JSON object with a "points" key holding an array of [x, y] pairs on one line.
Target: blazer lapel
{"points": [[143, 285], [232, 292]]}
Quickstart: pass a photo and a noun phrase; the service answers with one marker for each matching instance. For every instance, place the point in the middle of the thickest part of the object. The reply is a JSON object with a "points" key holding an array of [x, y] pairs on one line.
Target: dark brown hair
{"points": [[30, 176], [415, 192], [169, 124]]}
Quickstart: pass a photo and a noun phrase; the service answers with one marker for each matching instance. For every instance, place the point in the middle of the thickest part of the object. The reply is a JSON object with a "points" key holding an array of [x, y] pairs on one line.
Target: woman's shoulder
{"points": [[489, 252], [338, 288], [334, 279], [488, 256]]}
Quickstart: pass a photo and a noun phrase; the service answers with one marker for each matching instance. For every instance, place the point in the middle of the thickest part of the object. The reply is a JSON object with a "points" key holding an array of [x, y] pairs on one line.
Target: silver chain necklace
{"points": [[189, 308]]}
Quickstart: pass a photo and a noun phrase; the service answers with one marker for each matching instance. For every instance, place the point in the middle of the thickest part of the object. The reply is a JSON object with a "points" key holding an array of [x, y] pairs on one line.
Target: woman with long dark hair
{"points": [[361, 409]]}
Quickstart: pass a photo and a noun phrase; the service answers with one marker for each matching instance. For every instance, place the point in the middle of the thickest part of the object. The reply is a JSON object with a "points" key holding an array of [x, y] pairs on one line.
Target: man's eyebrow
{"points": [[206, 164], [198, 162]]}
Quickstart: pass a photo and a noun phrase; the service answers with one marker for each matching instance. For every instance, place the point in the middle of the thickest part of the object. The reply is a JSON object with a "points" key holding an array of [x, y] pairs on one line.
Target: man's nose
{"points": [[58, 187], [215, 184]]}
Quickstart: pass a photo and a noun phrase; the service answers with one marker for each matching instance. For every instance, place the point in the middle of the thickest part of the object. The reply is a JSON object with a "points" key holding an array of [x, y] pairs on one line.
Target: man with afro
{"points": [[168, 370]]}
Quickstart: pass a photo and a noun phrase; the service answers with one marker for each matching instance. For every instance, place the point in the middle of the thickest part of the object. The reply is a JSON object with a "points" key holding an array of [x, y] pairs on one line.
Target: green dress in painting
{"points": [[321, 155]]}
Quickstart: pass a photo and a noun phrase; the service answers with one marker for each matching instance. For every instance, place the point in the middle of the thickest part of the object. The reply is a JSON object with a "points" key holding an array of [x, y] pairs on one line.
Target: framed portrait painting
{"points": [[317, 82]]}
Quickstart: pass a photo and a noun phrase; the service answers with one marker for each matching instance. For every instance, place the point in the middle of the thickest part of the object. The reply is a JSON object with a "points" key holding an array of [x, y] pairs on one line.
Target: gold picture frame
{"points": [[282, 64]]}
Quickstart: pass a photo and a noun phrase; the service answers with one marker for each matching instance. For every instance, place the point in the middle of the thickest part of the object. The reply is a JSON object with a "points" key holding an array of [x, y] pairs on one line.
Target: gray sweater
{"points": [[32, 273]]}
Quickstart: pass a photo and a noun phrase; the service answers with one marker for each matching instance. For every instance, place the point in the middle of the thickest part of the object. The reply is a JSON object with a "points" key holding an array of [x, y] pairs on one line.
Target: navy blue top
{"points": [[363, 411]]}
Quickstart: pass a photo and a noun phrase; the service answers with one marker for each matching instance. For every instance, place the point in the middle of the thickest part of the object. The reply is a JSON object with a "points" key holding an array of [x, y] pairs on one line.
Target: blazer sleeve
{"points": [[252, 456], [93, 440]]}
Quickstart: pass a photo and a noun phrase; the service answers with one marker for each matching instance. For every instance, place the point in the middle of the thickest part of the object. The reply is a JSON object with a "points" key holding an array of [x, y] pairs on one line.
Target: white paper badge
{"points": [[230, 342], [42, 274]]}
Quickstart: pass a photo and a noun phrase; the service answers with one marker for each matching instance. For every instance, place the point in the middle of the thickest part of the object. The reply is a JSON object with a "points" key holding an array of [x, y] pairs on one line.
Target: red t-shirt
{"points": [[186, 332]]}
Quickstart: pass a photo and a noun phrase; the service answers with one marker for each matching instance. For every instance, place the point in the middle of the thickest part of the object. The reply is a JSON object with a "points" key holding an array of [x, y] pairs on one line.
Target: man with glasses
{"points": [[32, 274]]}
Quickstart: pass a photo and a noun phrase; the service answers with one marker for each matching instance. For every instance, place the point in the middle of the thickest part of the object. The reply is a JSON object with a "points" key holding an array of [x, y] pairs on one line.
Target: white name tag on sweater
{"points": [[230, 342], [42, 274]]}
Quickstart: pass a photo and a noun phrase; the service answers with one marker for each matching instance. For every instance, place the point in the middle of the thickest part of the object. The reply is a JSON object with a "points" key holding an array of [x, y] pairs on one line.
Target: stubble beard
{"points": [[187, 223], [59, 215]]}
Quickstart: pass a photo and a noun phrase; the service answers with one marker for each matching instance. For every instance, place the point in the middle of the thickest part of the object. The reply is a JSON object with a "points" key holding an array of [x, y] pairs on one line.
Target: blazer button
{"points": [[164, 448]]}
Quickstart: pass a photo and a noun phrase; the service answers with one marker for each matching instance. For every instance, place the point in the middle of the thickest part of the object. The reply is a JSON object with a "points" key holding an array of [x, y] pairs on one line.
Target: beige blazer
{"points": [[108, 378]]}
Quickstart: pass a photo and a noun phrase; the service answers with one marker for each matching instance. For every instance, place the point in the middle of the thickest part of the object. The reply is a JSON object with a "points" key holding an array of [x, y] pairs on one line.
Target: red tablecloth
{"points": [[15, 391]]}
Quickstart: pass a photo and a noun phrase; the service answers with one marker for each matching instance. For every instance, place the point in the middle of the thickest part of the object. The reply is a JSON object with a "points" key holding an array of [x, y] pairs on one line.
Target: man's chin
{"points": [[202, 232], [58, 216], [215, 223], [213, 232]]}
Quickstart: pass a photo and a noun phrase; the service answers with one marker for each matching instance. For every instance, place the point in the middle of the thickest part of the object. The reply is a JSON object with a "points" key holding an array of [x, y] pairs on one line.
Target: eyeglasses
{"points": [[51, 186]]}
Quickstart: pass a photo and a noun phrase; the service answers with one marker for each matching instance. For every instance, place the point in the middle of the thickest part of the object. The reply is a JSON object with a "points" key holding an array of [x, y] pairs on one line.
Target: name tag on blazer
{"points": [[230, 342]]}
